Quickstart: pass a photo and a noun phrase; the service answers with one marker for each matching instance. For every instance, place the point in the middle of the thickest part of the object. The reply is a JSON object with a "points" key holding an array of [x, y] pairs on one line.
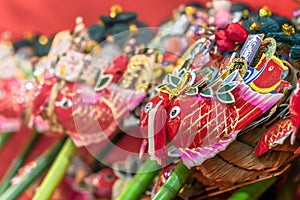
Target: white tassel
{"points": [[151, 133]]}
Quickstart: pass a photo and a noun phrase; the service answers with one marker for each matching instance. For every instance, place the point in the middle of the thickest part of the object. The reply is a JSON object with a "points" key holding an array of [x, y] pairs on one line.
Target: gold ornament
{"points": [[133, 28], [43, 40], [254, 27], [265, 12], [288, 29], [237, 63], [189, 10], [115, 10]]}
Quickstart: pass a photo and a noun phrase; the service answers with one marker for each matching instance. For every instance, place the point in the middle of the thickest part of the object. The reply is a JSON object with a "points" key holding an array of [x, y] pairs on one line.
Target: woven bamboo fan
{"points": [[237, 166]]}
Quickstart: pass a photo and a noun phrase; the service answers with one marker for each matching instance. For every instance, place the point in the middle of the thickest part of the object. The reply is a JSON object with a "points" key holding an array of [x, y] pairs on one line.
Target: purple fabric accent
{"points": [[191, 159]]}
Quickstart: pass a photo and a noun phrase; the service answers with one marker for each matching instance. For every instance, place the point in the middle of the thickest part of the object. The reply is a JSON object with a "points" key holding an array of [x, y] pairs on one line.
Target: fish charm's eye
{"points": [[174, 112], [64, 103], [109, 177], [271, 68], [148, 107]]}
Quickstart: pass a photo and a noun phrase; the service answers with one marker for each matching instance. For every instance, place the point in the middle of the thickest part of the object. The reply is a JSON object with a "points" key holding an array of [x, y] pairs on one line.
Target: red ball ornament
{"points": [[236, 32]]}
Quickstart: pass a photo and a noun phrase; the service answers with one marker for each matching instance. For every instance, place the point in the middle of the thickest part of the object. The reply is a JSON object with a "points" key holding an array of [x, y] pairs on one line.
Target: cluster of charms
{"points": [[199, 83]]}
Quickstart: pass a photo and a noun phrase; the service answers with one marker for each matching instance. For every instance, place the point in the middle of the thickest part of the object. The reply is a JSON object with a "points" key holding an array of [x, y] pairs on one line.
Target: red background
{"points": [[49, 17]]}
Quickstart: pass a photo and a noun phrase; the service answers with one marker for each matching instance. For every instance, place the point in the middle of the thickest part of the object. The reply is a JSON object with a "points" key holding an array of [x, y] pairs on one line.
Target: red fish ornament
{"points": [[102, 182], [280, 131], [295, 110], [200, 126], [15, 98], [275, 135], [269, 76], [81, 112], [75, 96], [16, 88]]}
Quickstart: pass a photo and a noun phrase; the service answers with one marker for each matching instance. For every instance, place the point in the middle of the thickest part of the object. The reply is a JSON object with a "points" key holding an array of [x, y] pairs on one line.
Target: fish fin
{"points": [[275, 135], [251, 104], [196, 156]]}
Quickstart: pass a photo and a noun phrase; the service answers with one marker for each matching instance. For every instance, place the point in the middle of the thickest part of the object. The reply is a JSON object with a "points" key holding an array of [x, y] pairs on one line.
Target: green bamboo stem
{"points": [[14, 191], [141, 181], [253, 191], [57, 171], [4, 138], [174, 183], [17, 163]]}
